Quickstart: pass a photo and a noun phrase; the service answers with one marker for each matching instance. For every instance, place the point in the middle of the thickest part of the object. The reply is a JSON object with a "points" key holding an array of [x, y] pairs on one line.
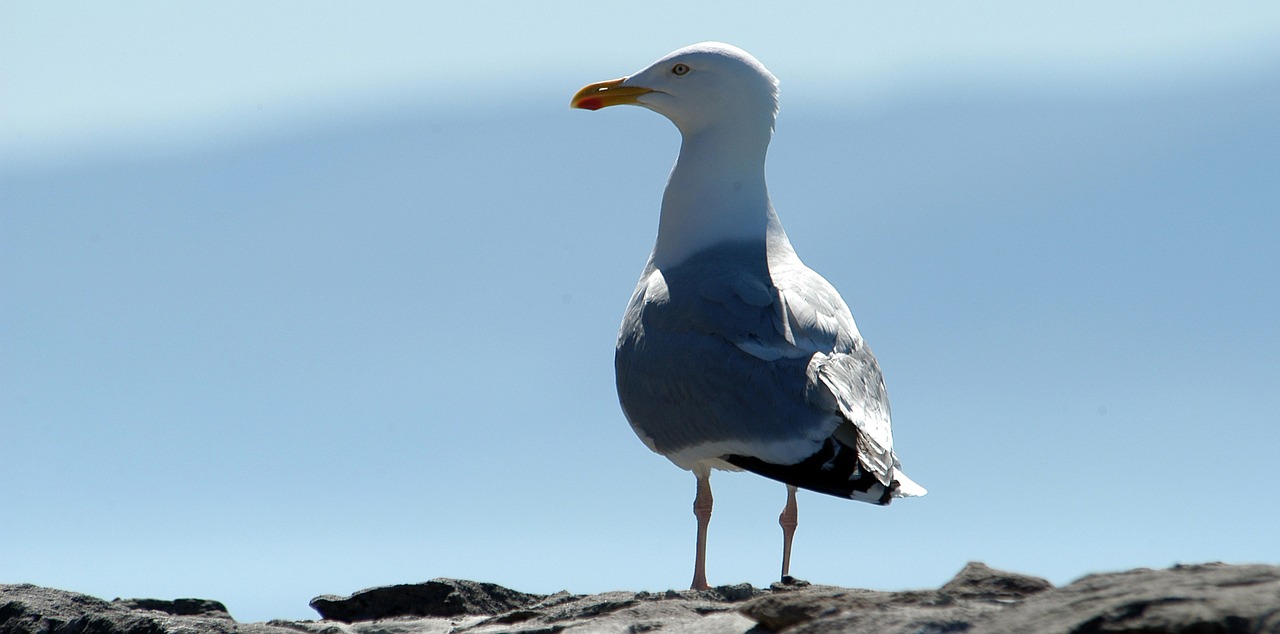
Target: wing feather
{"points": [[730, 353]]}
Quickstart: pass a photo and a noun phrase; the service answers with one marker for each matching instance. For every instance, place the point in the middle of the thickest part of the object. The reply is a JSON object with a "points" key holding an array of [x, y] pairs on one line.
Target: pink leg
{"points": [[702, 510], [788, 520]]}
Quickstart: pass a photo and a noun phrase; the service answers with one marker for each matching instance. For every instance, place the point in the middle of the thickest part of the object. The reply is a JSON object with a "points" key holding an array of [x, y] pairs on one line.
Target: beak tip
{"points": [[606, 93]]}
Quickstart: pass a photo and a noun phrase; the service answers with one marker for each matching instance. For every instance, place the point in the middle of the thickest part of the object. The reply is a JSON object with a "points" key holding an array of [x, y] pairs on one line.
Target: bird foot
{"points": [[788, 583]]}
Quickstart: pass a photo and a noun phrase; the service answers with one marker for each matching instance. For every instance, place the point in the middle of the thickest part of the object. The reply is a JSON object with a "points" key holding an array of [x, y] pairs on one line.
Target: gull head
{"points": [[697, 87]]}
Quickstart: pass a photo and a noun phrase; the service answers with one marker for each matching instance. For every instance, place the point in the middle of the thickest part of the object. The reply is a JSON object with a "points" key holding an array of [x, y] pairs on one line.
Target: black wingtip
{"points": [[834, 470]]}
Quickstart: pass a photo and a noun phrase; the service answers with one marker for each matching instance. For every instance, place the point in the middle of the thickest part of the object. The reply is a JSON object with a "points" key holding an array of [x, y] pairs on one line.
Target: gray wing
{"points": [[844, 377], [724, 355]]}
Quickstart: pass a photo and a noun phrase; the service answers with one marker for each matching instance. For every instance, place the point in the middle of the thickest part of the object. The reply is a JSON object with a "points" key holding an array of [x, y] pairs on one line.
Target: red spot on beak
{"points": [[591, 103]]}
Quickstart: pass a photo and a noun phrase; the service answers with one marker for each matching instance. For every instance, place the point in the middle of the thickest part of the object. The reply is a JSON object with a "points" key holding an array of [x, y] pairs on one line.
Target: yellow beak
{"points": [[606, 93]]}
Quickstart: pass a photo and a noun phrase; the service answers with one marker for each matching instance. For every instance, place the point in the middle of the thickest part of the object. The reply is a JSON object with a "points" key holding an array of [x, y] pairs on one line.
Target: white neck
{"points": [[716, 193]]}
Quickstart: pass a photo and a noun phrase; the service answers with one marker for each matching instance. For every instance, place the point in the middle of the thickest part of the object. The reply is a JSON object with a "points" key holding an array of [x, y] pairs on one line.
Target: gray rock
{"points": [[28, 609], [828, 609], [178, 607], [711, 611], [438, 597], [978, 581], [974, 595], [449, 605], [1203, 599], [1199, 599]]}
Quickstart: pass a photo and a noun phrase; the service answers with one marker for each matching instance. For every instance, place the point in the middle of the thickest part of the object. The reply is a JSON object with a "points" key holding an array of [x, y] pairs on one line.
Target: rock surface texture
{"points": [[25, 608], [1195, 599]]}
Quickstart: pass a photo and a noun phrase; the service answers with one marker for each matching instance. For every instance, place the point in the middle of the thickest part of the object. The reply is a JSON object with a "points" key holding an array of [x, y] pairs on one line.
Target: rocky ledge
{"points": [[1200, 599]]}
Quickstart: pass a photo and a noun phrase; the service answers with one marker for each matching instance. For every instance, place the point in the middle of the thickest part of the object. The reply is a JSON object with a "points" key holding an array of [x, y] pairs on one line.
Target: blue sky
{"points": [[309, 297]]}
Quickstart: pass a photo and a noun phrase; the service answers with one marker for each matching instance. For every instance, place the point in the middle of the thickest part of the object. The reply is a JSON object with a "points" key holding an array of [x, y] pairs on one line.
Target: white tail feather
{"points": [[907, 488]]}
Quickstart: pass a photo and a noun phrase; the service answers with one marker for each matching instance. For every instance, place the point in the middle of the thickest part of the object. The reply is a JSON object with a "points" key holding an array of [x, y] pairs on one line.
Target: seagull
{"points": [[734, 355]]}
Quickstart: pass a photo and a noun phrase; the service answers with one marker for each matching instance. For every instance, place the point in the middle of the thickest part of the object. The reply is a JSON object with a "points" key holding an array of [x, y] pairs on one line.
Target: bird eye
{"points": [[679, 69]]}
